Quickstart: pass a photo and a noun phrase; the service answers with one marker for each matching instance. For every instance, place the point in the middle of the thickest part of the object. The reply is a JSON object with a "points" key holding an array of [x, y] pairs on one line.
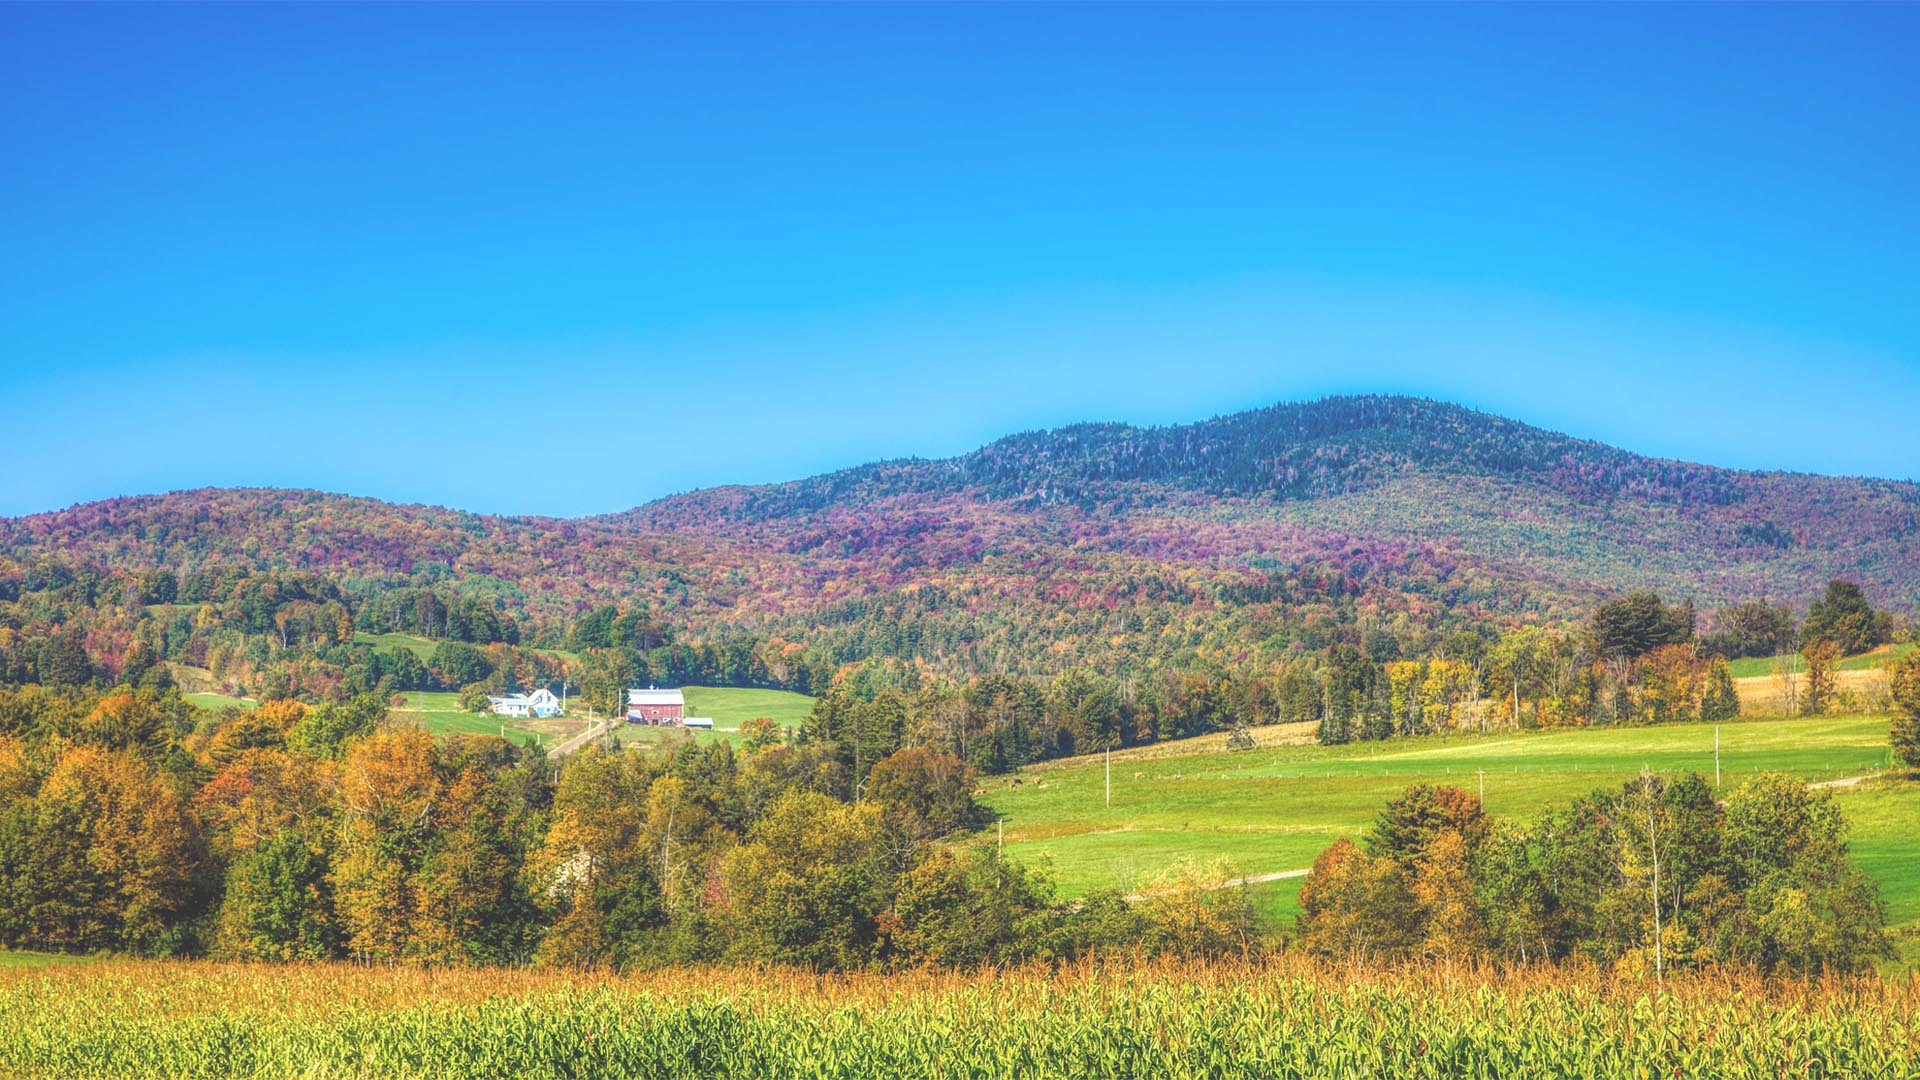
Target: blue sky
{"points": [[566, 259]]}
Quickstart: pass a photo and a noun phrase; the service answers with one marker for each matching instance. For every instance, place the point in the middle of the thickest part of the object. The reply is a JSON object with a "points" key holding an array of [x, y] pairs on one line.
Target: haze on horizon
{"points": [[562, 261]]}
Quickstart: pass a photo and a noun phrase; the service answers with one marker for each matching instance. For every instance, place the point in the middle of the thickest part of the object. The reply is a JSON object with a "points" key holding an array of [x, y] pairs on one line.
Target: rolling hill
{"points": [[1093, 544]]}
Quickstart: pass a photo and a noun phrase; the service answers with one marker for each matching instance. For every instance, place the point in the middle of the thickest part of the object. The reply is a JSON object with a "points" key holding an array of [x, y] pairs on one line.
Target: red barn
{"points": [[652, 706]]}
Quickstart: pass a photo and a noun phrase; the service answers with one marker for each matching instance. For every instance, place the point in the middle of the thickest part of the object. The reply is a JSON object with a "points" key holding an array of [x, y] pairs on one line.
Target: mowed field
{"points": [[1753, 667], [1276, 808], [439, 713], [729, 707], [221, 701]]}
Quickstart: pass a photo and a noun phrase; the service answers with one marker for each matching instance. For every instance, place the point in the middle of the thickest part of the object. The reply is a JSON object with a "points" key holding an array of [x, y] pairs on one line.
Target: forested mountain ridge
{"points": [[1293, 480], [1334, 446], [1246, 538]]}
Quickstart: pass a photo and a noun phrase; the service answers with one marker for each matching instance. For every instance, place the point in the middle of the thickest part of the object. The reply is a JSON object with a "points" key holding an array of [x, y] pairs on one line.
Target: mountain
{"points": [[1096, 544], [1527, 504]]}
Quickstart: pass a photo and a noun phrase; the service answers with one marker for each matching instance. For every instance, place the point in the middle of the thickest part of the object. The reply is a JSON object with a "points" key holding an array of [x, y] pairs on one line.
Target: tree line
{"points": [[131, 821], [1657, 876]]}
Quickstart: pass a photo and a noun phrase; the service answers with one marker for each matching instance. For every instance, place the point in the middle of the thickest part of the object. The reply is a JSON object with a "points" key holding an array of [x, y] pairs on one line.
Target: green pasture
{"points": [[13, 958], [1756, 666], [439, 713], [390, 643], [221, 701], [1277, 808], [730, 707]]}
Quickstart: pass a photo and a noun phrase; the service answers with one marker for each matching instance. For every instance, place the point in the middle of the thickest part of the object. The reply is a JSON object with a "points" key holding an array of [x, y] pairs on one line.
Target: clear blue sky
{"points": [[566, 259]]}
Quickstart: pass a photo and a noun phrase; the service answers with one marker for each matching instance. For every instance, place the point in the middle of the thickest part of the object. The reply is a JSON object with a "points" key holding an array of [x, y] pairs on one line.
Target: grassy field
{"points": [[12, 958], [1753, 667], [221, 701], [1287, 1019], [423, 647], [387, 643], [1276, 808], [440, 714], [729, 707]]}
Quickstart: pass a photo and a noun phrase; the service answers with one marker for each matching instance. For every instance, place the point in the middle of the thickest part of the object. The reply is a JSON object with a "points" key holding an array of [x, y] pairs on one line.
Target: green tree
{"points": [[962, 909], [1719, 701], [1753, 628], [1639, 623], [1239, 737], [1843, 617], [63, 660], [1809, 906], [808, 887], [607, 676], [1904, 738], [326, 730], [1407, 826], [278, 903], [460, 664]]}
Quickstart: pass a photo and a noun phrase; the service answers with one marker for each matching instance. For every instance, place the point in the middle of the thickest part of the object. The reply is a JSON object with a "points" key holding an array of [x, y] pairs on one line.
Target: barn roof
{"points": [[656, 697]]}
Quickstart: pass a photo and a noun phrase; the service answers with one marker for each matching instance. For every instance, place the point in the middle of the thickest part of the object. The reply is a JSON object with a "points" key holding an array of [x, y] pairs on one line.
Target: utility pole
{"points": [[1653, 847], [1483, 789], [1001, 824]]}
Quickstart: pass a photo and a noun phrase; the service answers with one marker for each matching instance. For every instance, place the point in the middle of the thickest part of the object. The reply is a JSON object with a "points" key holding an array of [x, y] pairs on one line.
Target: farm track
{"points": [[1250, 879], [576, 742]]}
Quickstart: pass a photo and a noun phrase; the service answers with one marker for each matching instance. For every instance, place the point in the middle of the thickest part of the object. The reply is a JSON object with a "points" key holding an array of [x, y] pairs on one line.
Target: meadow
{"points": [[1275, 808], [1753, 667], [213, 701], [1281, 1018], [439, 713]]}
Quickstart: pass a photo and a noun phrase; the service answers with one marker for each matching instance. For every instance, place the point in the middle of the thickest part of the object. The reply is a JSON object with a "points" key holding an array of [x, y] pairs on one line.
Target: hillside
{"points": [[1532, 504], [1092, 544]]}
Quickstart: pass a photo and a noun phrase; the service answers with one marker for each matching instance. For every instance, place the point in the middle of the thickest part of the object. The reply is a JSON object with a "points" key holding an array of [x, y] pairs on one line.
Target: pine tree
{"points": [[1239, 737], [1905, 736], [1720, 701]]}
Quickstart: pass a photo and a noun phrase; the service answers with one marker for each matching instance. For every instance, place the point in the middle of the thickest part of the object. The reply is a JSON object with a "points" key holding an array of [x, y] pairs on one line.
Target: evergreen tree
{"points": [[1905, 736], [1720, 701], [1843, 617]]}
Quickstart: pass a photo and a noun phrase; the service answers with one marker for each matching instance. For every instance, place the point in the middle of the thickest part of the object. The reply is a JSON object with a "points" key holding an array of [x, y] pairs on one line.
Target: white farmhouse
{"points": [[540, 703]]}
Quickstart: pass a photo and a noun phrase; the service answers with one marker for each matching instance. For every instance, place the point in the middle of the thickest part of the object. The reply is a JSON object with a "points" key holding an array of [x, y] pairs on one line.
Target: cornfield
{"points": [[1277, 1019]]}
